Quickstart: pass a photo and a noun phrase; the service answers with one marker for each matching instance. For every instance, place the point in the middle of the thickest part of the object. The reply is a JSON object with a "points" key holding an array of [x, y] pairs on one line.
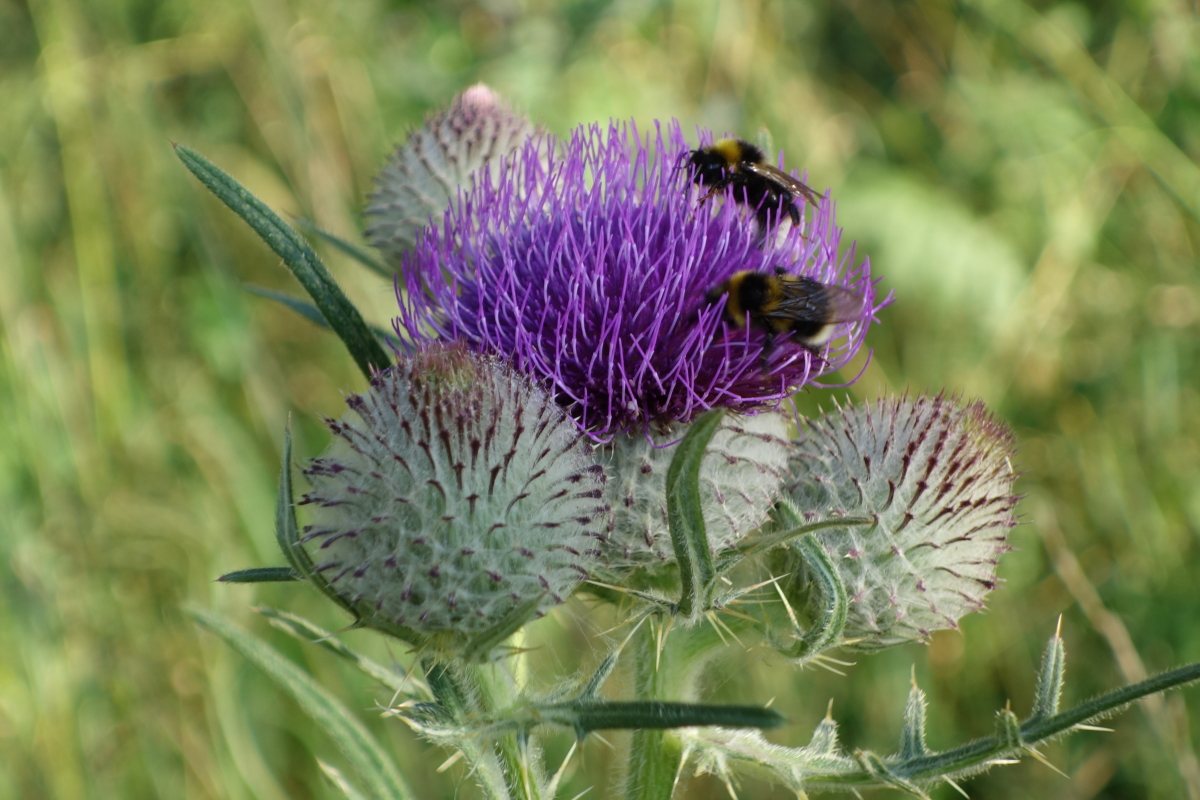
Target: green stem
{"points": [[656, 756], [1034, 731], [466, 691]]}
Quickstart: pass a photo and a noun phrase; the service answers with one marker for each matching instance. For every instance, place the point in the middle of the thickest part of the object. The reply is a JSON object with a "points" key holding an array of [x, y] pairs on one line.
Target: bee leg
{"points": [[794, 213], [768, 348], [717, 187]]}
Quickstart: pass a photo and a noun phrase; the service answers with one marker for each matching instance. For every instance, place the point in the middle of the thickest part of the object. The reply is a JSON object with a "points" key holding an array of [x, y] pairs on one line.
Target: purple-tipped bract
{"points": [[586, 263]]}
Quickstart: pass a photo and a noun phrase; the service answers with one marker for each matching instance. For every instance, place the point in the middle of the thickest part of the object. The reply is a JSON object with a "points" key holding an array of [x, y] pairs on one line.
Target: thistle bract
{"points": [[937, 480], [740, 479], [454, 492], [586, 263]]}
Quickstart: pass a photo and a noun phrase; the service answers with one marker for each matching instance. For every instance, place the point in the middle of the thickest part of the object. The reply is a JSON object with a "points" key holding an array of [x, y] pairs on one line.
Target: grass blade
{"points": [[374, 767]]}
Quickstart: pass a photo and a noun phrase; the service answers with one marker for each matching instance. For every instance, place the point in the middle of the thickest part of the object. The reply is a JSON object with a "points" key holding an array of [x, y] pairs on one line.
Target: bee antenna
{"points": [[685, 155]]}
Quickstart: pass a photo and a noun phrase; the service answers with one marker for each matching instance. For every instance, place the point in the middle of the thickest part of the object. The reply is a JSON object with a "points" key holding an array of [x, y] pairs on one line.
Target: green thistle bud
{"points": [[937, 480], [423, 174], [740, 479], [454, 495]]}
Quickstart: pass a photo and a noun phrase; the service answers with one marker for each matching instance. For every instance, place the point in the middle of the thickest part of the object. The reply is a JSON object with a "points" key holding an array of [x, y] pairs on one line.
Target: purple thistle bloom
{"points": [[587, 264]]}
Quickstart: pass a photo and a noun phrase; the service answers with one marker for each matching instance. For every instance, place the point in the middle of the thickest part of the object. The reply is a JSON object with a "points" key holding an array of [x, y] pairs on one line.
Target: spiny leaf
{"points": [[335, 307], [261, 575], [912, 734], [354, 251], [310, 312], [1050, 678]]}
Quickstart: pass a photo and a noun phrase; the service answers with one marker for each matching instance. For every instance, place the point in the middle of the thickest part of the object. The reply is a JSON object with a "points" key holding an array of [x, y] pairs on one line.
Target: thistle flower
{"points": [[586, 263], [937, 480], [456, 494]]}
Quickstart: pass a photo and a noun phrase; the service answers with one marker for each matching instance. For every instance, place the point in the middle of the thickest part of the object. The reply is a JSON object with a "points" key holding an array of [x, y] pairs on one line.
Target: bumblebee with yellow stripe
{"points": [[737, 163], [778, 303]]}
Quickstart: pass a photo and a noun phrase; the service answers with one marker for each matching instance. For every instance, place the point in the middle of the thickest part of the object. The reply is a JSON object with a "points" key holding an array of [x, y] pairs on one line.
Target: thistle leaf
{"points": [[261, 575], [353, 251], [912, 734], [335, 307], [1008, 730], [1050, 678], [310, 312], [685, 513]]}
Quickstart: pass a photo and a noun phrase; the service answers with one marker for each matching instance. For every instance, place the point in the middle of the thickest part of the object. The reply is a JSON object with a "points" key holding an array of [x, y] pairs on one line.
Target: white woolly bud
{"points": [[937, 481], [423, 174], [455, 493], [740, 478]]}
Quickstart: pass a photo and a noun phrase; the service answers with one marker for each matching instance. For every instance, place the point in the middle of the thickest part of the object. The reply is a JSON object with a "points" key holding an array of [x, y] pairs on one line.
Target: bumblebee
{"points": [[737, 163], [778, 303]]}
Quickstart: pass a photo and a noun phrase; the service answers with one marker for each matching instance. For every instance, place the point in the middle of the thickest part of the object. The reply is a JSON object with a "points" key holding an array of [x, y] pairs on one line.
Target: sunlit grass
{"points": [[1024, 179]]}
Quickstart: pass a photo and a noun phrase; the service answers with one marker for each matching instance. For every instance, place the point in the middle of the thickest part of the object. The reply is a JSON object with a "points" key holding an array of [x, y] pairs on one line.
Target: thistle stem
{"points": [[655, 756], [1034, 731]]}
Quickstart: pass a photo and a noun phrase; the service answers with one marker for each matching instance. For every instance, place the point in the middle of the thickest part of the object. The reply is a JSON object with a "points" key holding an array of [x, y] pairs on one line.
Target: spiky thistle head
{"points": [[456, 494], [423, 174], [937, 480]]}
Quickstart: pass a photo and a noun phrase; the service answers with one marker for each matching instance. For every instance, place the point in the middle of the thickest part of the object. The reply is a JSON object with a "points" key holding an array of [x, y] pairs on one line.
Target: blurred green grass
{"points": [[1024, 176]]}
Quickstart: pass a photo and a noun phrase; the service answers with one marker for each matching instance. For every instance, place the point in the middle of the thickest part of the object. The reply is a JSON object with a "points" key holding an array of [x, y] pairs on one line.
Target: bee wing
{"points": [[795, 186], [807, 300]]}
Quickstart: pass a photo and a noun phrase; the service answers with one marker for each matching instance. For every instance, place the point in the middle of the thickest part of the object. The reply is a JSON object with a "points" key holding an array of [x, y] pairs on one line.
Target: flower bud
{"points": [[454, 494], [740, 479], [424, 174], [937, 481]]}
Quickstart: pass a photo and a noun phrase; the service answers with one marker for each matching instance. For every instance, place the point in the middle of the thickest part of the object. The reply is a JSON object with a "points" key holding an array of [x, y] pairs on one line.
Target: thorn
{"points": [[604, 741], [728, 629], [728, 785], [820, 662], [449, 762], [1044, 761], [958, 789], [839, 662], [523, 752], [772, 579], [769, 703], [739, 615], [552, 788], [1058, 628], [788, 606], [660, 644], [712, 620], [913, 677], [829, 711], [581, 794], [1082, 727]]}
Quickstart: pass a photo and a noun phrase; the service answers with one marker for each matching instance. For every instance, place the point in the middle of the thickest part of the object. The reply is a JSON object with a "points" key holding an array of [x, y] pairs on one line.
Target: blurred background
{"points": [[1022, 175]]}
